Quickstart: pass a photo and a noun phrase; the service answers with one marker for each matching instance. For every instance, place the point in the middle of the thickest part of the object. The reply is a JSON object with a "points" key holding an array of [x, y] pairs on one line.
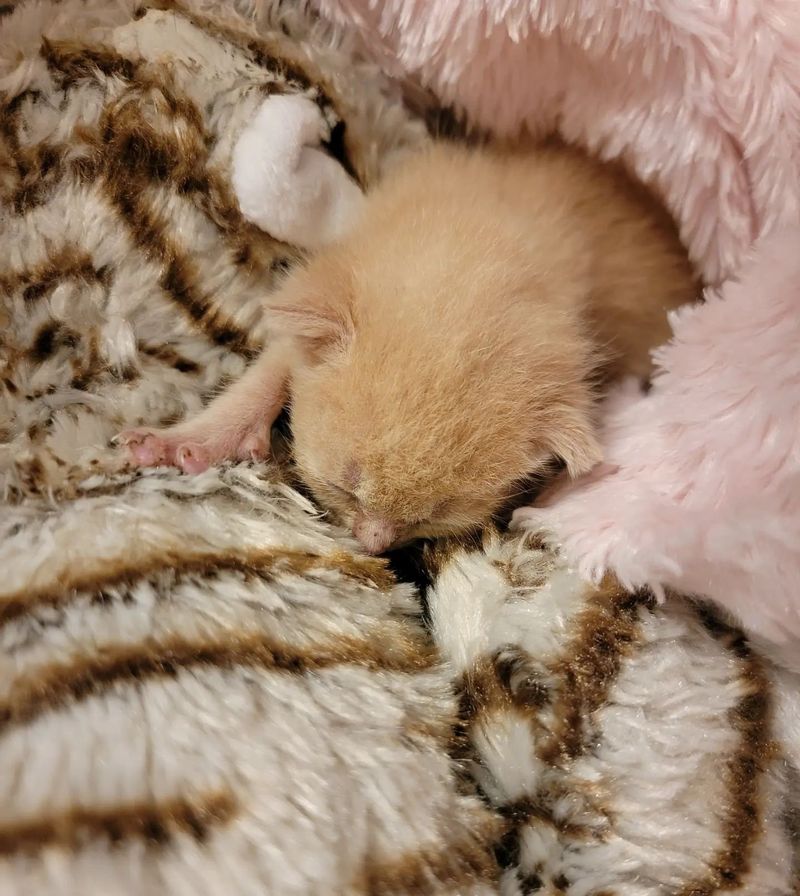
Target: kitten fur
{"points": [[451, 345]]}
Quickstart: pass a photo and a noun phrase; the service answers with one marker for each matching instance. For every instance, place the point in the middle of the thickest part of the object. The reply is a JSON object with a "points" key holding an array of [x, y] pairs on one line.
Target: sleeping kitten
{"points": [[451, 345]]}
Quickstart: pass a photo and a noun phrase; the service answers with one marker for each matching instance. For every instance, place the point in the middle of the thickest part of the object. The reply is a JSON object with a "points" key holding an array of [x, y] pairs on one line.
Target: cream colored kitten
{"points": [[450, 346]]}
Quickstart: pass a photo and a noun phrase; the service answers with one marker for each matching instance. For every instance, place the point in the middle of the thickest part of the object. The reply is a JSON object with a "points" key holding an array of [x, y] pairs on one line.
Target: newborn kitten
{"points": [[451, 345]]}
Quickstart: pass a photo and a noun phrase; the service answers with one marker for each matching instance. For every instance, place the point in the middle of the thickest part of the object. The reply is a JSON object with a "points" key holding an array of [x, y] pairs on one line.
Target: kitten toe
{"points": [[254, 446], [524, 516], [192, 458], [130, 436], [144, 447], [150, 452]]}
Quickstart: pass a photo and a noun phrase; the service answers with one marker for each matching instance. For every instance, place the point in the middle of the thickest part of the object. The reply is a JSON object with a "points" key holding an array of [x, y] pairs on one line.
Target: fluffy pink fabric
{"points": [[706, 493], [702, 100]]}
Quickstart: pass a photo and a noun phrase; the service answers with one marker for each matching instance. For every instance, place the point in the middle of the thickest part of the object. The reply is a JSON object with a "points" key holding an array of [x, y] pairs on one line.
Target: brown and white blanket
{"points": [[204, 687]]}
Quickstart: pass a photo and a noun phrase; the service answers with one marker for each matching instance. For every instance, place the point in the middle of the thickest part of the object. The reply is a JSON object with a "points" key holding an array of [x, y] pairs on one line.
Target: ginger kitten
{"points": [[451, 345]]}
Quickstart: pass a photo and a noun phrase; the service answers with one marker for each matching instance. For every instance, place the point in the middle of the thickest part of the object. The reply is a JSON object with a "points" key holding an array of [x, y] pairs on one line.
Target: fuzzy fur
{"points": [[206, 689], [586, 706], [285, 181], [444, 350], [702, 102], [664, 86], [203, 689]]}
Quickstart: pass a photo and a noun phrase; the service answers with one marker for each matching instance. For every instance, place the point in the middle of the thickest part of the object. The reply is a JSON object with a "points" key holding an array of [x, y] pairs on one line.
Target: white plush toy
{"points": [[285, 182]]}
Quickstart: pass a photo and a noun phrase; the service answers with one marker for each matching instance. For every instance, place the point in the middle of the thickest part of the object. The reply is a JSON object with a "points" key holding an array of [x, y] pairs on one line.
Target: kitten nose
{"points": [[373, 532]]}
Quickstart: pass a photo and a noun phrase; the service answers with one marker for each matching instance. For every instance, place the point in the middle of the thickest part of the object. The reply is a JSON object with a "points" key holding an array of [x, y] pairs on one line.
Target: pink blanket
{"points": [[701, 490]]}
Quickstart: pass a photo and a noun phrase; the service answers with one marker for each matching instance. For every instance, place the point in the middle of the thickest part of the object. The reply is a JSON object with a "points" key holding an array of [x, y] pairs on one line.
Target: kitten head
{"points": [[407, 424]]}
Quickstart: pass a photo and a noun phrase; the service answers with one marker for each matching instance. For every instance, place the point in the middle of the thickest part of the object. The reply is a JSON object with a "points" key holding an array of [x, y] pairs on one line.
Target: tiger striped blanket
{"points": [[205, 688]]}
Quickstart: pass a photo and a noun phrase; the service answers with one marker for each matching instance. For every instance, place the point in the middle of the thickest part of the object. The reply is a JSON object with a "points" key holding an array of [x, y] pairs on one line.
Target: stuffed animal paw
{"points": [[285, 182]]}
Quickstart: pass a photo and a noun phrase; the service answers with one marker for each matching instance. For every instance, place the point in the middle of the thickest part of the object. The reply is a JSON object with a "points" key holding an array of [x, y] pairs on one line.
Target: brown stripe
{"points": [[488, 687], [135, 157], [155, 823], [512, 681], [454, 867], [134, 161], [127, 571], [589, 665], [537, 811], [180, 158], [438, 554], [38, 169], [83, 356], [10, 111], [252, 248], [442, 122], [33, 171], [60, 684], [75, 485], [72, 62], [49, 338], [743, 771], [179, 278], [42, 167], [534, 810], [508, 681], [69, 263], [169, 356], [278, 54], [505, 683]]}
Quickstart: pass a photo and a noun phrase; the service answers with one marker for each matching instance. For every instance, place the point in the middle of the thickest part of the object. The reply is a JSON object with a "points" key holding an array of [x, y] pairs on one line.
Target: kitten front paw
{"points": [[156, 448], [191, 453]]}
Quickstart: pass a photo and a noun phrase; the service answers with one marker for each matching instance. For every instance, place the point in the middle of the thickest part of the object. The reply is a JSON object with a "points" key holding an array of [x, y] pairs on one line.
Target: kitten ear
{"points": [[315, 323], [574, 440], [315, 315]]}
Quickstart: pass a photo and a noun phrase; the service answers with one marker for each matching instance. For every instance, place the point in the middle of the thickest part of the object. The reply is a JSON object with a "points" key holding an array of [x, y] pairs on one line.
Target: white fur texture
{"points": [[285, 183], [629, 745], [223, 737]]}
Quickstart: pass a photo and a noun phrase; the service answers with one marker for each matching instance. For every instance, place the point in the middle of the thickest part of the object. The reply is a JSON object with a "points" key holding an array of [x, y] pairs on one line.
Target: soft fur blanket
{"points": [[206, 689], [701, 486]]}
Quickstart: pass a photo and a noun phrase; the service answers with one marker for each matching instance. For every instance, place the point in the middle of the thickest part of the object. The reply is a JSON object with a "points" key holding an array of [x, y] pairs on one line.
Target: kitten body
{"points": [[451, 345]]}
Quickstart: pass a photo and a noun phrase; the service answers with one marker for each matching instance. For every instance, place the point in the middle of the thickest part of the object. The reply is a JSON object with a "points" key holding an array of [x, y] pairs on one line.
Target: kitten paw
{"points": [[254, 446], [157, 448]]}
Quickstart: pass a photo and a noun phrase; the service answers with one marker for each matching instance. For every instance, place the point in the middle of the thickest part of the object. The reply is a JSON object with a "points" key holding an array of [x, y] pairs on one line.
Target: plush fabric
{"points": [[285, 182], [705, 497], [702, 102], [204, 687], [627, 745]]}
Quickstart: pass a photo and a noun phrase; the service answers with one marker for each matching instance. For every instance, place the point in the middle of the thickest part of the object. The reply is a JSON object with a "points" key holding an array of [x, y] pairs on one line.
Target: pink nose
{"points": [[373, 532]]}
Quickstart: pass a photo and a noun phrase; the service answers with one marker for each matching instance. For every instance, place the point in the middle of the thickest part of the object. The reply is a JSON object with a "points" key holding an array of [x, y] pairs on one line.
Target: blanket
{"points": [[206, 688]]}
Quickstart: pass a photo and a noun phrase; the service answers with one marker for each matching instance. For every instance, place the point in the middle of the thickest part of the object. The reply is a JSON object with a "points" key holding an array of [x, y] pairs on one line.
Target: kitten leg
{"points": [[234, 426]]}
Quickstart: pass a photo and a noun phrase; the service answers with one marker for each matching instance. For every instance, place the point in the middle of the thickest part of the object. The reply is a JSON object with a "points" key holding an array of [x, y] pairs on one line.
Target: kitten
{"points": [[450, 346]]}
